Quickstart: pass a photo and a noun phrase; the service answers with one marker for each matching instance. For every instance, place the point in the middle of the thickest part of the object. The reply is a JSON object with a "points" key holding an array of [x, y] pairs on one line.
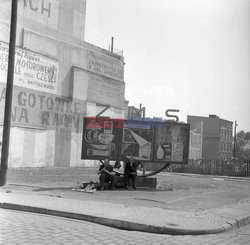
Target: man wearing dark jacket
{"points": [[106, 174], [130, 172]]}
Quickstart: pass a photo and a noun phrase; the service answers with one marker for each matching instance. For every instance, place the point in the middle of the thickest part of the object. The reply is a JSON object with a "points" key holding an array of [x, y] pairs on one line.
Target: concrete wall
{"points": [[61, 19], [47, 123]]}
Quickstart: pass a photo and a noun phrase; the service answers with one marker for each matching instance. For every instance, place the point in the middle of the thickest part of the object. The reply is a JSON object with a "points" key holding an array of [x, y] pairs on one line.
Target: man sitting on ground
{"points": [[106, 174]]}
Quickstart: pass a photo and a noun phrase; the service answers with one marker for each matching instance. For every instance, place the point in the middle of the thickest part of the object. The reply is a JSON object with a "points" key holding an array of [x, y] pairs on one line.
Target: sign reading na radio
{"points": [[32, 70]]}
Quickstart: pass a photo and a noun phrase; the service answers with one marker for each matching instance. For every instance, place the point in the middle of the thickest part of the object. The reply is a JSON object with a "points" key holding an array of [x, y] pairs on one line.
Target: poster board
{"points": [[136, 140], [171, 142], [100, 139], [144, 140]]}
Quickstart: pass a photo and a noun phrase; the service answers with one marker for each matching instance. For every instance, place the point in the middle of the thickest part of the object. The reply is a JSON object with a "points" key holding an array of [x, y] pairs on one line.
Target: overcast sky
{"points": [[191, 55]]}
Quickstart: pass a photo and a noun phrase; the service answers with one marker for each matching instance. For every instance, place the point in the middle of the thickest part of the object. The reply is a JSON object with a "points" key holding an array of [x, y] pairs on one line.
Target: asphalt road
{"points": [[29, 228]]}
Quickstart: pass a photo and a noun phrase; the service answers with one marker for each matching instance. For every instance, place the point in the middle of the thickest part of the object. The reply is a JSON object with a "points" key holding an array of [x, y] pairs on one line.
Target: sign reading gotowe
{"points": [[32, 70], [37, 109]]}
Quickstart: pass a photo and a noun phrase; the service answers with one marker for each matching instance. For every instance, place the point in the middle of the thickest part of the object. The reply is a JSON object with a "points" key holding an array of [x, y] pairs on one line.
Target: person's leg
{"points": [[126, 180], [119, 182], [112, 180], [102, 180], [133, 177]]}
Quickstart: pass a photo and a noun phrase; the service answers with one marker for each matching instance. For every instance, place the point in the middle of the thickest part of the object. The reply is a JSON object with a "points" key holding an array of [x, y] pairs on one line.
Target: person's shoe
{"points": [[134, 187]]}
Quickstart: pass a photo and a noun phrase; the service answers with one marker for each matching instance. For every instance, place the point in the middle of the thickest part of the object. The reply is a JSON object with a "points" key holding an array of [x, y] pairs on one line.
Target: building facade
{"points": [[59, 79], [195, 141], [216, 136]]}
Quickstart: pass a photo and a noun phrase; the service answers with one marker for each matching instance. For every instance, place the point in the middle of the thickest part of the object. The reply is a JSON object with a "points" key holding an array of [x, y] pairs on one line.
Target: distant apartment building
{"points": [[210, 137]]}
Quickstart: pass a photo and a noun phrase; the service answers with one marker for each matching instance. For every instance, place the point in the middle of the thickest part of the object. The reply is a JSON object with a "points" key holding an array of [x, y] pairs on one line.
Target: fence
{"points": [[213, 167]]}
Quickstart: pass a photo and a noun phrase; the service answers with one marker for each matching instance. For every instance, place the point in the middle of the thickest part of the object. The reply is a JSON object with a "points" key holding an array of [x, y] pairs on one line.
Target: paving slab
{"points": [[138, 218], [181, 204]]}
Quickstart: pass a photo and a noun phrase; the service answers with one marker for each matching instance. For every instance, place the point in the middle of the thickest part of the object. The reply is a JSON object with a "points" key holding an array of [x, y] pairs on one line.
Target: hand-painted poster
{"points": [[171, 142], [100, 138], [136, 141], [144, 140]]}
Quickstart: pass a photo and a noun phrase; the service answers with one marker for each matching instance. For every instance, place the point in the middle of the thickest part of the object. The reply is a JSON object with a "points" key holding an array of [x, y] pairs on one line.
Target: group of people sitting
{"points": [[108, 173]]}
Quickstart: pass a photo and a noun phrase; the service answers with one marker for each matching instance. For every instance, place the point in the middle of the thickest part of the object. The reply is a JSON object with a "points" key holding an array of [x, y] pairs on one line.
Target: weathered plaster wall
{"points": [[46, 127], [61, 19]]}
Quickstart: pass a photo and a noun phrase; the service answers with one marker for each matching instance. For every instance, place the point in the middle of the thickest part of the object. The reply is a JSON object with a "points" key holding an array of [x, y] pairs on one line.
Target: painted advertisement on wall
{"points": [[44, 12], [36, 109], [32, 70], [104, 65], [143, 140]]}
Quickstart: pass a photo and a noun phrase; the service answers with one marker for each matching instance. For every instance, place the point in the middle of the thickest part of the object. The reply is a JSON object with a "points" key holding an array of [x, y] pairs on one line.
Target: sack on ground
{"points": [[89, 185]]}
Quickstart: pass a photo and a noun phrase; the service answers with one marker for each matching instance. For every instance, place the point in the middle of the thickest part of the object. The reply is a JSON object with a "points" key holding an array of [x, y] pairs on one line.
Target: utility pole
{"points": [[8, 96], [234, 152]]}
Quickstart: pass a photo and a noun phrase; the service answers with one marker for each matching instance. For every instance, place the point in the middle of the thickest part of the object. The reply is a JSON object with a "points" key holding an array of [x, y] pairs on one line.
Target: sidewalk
{"points": [[222, 177], [119, 214]]}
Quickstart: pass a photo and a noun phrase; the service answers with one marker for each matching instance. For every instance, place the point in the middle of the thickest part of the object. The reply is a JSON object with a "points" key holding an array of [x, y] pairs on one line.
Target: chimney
{"points": [[112, 44]]}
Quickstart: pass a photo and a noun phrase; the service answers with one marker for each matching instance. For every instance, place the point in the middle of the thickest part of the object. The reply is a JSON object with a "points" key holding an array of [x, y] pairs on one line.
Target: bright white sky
{"points": [[191, 55]]}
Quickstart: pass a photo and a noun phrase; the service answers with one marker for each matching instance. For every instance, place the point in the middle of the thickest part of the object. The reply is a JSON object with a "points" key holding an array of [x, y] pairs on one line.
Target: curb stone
{"points": [[126, 225]]}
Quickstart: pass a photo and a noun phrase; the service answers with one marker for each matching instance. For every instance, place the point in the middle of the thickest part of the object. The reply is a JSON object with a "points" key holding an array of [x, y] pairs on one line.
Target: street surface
{"points": [[29, 228], [175, 191]]}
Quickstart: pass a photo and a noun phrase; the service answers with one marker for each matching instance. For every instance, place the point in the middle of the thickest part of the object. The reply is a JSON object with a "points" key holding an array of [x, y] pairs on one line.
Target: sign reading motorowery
{"points": [[32, 70]]}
